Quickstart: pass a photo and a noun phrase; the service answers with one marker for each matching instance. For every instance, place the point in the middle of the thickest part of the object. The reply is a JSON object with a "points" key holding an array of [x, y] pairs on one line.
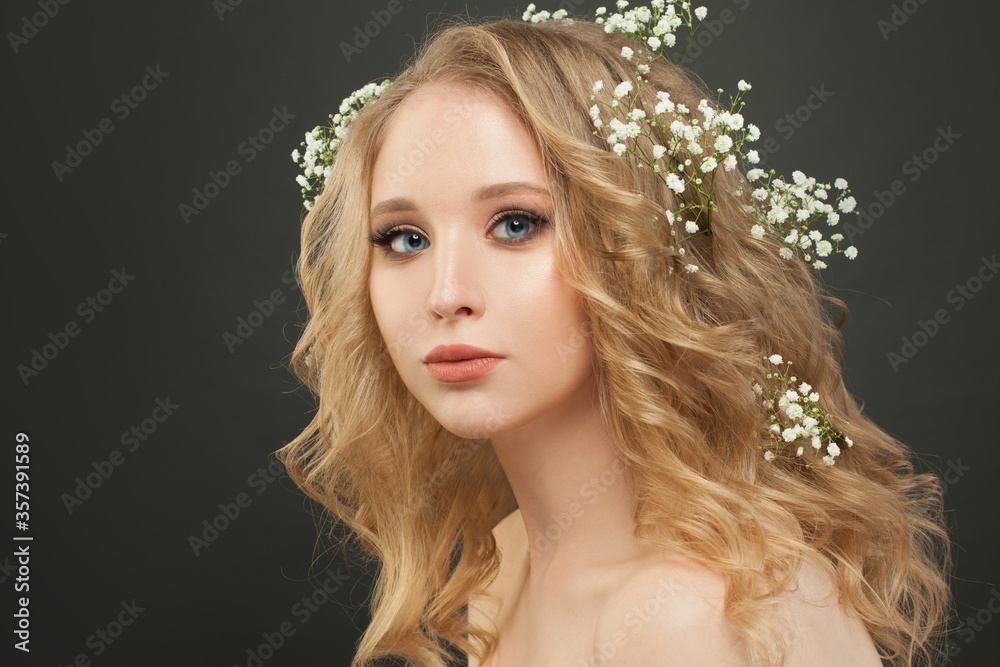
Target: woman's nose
{"points": [[456, 285]]}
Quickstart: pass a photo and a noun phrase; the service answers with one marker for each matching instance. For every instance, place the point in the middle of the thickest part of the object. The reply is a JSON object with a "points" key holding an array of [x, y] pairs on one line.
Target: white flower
{"points": [[594, 112], [848, 441], [798, 177], [743, 85], [832, 449], [690, 268], [637, 114], [627, 53], [295, 155], [757, 389], [754, 174], [769, 455], [789, 434], [654, 42], [824, 248], [674, 182], [828, 460], [775, 359], [847, 205], [794, 411], [832, 219], [840, 184], [643, 69], [691, 227], [730, 162], [623, 88], [620, 149], [701, 13], [601, 11], [785, 253], [753, 158], [753, 132], [723, 143], [560, 14], [851, 252], [837, 237], [670, 39], [798, 452], [658, 151], [301, 180], [709, 164], [816, 442], [757, 232], [598, 86]]}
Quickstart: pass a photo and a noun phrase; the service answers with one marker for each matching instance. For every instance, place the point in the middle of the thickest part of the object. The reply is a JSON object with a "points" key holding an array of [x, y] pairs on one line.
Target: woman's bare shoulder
{"points": [[484, 610], [674, 606]]}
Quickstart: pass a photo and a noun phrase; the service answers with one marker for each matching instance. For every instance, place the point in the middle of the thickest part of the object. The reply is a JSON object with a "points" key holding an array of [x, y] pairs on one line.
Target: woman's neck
{"points": [[571, 489]]}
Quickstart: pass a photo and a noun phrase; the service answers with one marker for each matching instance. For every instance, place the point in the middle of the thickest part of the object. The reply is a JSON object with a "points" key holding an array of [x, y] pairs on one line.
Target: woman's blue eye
{"points": [[521, 220], [409, 240]]}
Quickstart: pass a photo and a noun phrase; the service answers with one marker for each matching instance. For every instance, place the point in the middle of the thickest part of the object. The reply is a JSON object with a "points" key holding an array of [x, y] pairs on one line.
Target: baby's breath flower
{"points": [[723, 143], [847, 205], [627, 53], [623, 88], [701, 13]]}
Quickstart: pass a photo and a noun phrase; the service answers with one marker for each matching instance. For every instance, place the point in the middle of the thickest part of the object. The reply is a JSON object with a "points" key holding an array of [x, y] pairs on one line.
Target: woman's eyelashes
{"points": [[516, 226]]}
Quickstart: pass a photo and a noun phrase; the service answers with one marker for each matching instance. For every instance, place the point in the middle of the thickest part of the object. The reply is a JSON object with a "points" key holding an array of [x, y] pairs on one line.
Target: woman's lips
{"points": [[462, 371]]}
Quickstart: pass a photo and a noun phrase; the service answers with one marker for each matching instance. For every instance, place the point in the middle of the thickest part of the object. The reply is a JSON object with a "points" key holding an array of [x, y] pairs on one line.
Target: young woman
{"points": [[539, 418]]}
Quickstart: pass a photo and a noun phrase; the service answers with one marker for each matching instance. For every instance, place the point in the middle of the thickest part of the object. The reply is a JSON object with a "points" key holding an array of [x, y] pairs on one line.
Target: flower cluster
{"points": [[796, 415], [788, 210], [537, 17], [689, 147], [694, 151], [322, 142]]}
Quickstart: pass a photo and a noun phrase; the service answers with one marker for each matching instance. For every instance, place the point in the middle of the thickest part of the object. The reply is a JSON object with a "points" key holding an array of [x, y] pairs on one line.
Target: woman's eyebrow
{"points": [[486, 192]]}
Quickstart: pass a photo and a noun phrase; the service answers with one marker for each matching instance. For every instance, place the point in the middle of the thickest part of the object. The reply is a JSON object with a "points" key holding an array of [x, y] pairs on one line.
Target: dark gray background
{"points": [[162, 336]]}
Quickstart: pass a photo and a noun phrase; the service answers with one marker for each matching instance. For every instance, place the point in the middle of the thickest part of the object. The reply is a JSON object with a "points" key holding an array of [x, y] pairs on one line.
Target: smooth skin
{"points": [[577, 589]]}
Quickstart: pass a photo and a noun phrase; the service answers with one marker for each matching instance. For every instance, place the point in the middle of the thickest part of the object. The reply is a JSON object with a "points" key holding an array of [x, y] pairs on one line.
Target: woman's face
{"points": [[460, 200]]}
